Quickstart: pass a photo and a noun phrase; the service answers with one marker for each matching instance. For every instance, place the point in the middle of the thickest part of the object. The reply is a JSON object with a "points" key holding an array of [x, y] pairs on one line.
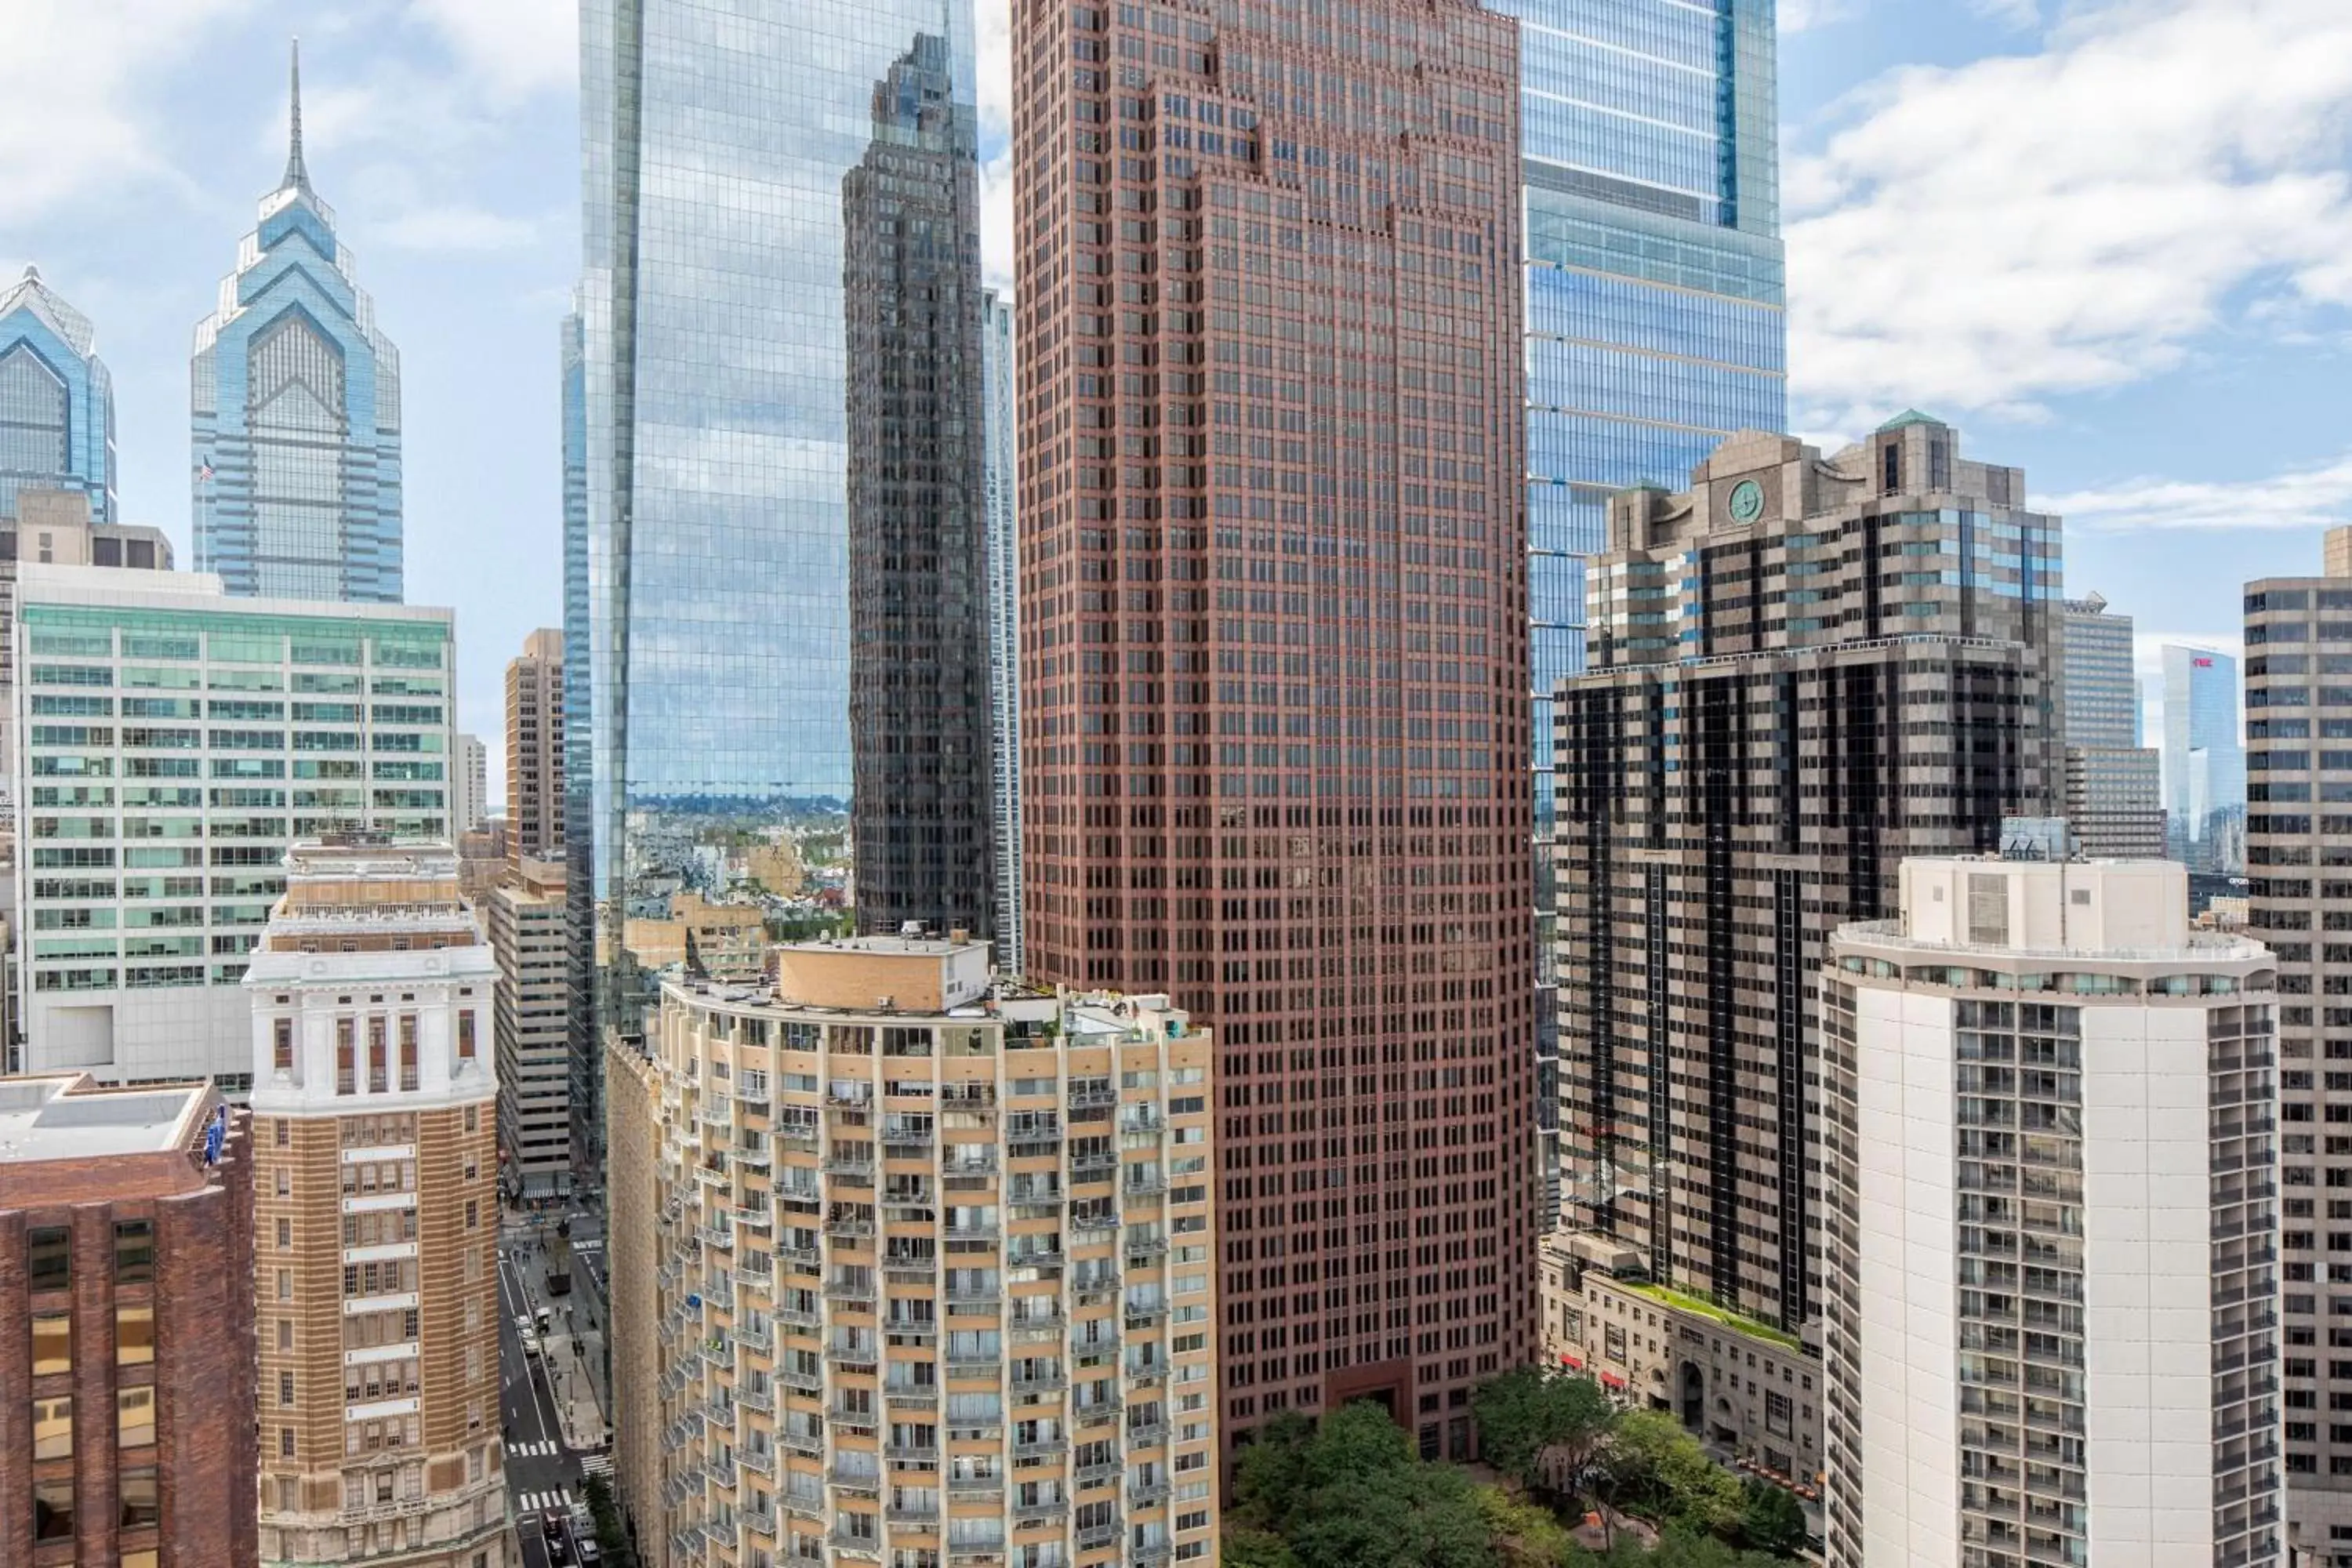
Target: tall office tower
{"points": [[930, 1278], [1656, 311], [1004, 408], [531, 937], [469, 786], [2299, 862], [919, 728], [2204, 760], [1778, 712], [57, 401], [126, 1282], [297, 422], [56, 528], [173, 743], [375, 1108], [2048, 1235], [779, 478], [1274, 683], [2115, 808], [579, 730], [536, 750]]}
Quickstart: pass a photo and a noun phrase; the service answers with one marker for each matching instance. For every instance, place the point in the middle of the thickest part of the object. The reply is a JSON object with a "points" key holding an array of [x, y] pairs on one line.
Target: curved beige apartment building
{"points": [[932, 1274]]}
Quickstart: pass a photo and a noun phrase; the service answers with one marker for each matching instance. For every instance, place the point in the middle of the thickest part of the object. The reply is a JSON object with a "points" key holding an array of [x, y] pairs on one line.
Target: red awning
{"points": [[1569, 1358], [1612, 1379]]}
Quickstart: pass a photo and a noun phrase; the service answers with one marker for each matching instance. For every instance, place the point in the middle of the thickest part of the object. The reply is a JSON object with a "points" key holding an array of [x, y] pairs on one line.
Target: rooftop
{"points": [[887, 946], [71, 1117]]}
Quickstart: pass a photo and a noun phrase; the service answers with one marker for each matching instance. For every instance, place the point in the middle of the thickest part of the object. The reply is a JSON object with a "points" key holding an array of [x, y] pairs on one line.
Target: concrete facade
{"points": [[2050, 1236], [2299, 866], [375, 1104], [928, 1283], [530, 935], [126, 1267], [2115, 792]]}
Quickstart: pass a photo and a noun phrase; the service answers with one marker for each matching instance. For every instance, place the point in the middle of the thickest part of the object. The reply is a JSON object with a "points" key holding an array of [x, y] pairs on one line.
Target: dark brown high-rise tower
{"points": [[1274, 649]]}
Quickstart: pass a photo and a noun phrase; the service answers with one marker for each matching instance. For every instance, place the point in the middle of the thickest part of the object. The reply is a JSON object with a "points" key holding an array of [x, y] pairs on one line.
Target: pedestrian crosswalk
{"points": [[541, 1450], [536, 1502], [597, 1464]]}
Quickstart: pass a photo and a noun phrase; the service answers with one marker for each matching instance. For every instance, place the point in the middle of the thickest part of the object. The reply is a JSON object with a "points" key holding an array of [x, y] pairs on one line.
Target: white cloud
{"points": [[994, 21], [516, 47], [75, 82], [2315, 497], [996, 221], [2009, 13], [1988, 236]]}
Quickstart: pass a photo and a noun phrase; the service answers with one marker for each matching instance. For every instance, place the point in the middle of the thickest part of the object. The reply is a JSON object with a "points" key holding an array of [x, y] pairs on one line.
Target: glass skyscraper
{"points": [[782, 414], [57, 401], [1004, 622], [296, 411], [1655, 320], [2204, 760]]}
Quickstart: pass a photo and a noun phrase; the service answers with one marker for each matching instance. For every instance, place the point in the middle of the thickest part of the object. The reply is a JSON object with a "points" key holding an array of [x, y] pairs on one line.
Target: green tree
{"points": [[1531, 1414], [1772, 1519], [1352, 1493], [1525, 1534], [1655, 1467]]}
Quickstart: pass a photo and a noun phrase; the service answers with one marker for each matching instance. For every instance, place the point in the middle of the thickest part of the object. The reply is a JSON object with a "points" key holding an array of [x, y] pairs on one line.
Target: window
{"points": [[465, 1037], [53, 1428], [134, 1336], [52, 1342], [134, 1252], [53, 1511], [346, 1057], [284, 1235], [49, 1258], [379, 1064], [282, 1046], [286, 1442], [408, 1051], [285, 1388], [135, 1418]]}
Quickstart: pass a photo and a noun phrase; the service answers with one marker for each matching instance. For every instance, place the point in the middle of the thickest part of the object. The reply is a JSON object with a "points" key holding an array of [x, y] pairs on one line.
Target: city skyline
{"points": [[452, 141]]}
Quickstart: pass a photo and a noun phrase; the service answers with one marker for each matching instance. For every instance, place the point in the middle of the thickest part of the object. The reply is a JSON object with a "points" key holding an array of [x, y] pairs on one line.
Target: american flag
{"points": [[203, 472]]}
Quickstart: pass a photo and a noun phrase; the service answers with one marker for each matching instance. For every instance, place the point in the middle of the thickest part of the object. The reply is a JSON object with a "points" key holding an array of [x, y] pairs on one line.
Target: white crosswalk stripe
{"points": [[597, 1464], [539, 1502], [545, 1450]]}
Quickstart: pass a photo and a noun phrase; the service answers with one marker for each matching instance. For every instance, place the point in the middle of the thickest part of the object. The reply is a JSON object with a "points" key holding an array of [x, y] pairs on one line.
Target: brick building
{"points": [[376, 1131], [1273, 667], [535, 750], [126, 1269]]}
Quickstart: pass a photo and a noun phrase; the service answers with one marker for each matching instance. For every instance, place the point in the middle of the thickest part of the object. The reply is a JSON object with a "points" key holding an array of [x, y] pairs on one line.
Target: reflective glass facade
{"points": [[57, 401], [2204, 758], [781, 326], [579, 837], [1004, 623], [1654, 283], [295, 399]]}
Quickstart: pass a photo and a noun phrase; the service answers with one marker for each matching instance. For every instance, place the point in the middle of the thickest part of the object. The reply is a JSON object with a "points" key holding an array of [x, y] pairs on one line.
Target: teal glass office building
{"points": [[781, 399], [1656, 288], [296, 412], [57, 401]]}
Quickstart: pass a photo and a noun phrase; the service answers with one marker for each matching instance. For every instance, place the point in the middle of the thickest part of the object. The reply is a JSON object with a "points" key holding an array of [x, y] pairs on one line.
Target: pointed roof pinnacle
{"points": [[298, 177]]}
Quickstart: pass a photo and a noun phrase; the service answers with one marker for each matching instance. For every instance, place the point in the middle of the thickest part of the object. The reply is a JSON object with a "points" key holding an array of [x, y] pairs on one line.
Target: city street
{"points": [[552, 1409]]}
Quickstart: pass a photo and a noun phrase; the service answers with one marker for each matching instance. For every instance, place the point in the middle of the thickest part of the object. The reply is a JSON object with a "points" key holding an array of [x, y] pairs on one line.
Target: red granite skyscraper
{"points": [[1274, 649]]}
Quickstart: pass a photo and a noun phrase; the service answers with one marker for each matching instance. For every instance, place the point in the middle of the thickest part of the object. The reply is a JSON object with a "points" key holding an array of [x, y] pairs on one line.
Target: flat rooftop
{"points": [[888, 946], [70, 1117]]}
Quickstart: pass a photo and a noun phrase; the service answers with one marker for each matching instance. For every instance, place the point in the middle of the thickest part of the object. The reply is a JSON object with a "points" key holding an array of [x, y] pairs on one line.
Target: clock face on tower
{"points": [[1747, 501]]}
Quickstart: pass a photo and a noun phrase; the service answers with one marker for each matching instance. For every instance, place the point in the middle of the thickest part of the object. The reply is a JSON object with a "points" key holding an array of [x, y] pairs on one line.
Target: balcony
{"points": [[760, 1523], [865, 1482], [908, 1397], [1150, 1435], [848, 1227], [1092, 1097], [972, 1231], [858, 1546], [808, 1445], [850, 1420], [800, 1316], [1040, 1383], [1094, 1412], [800, 1380], [912, 1454], [1041, 1448], [716, 1236], [857, 1296], [975, 1486], [970, 1166], [1094, 1167], [907, 1146], [762, 1400], [759, 1461], [1097, 1474], [1092, 1537], [1146, 1247], [857, 1164], [977, 1364], [1026, 1514], [752, 1337], [1147, 1494], [975, 1295], [915, 1328], [922, 1515]]}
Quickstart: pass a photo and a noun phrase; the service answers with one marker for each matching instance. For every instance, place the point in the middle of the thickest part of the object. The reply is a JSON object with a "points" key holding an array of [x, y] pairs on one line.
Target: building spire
{"points": [[298, 177]]}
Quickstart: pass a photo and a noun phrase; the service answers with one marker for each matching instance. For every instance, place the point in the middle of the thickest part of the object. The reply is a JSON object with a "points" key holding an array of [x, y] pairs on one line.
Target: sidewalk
{"points": [[574, 1349]]}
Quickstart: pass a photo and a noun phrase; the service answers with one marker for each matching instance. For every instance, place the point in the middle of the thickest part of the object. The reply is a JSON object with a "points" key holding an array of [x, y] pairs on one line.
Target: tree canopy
{"points": [[1541, 1425]]}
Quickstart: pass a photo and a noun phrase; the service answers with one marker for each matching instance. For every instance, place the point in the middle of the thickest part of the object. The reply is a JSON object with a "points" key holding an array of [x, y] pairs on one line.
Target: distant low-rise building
{"points": [[126, 1292]]}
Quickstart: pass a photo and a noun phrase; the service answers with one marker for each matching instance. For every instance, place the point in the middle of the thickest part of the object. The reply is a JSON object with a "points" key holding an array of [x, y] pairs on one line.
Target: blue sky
{"points": [[2112, 239]]}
